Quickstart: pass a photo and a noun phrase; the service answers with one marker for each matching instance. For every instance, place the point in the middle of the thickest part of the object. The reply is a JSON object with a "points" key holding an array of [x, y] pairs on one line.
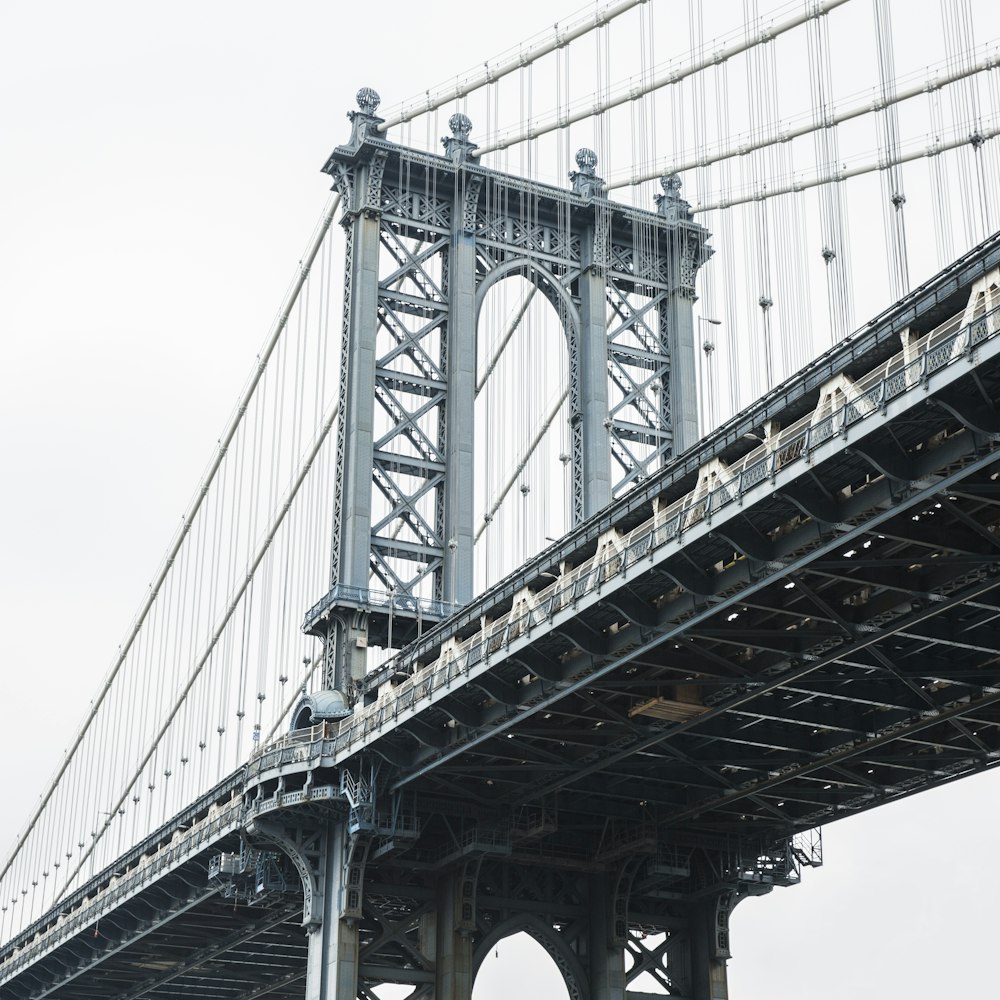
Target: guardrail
{"points": [[946, 345], [147, 846], [378, 600], [190, 842]]}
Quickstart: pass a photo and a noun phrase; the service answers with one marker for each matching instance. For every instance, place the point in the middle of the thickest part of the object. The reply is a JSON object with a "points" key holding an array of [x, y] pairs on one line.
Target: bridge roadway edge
{"points": [[914, 500], [935, 300]]}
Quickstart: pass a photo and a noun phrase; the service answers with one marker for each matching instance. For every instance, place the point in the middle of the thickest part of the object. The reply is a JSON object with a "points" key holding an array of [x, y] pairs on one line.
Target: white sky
{"points": [[159, 177]]}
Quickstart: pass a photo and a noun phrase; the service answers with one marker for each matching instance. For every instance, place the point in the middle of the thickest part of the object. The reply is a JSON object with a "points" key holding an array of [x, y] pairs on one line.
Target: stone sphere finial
{"points": [[586, 160], [368, 100], [460, 125]]}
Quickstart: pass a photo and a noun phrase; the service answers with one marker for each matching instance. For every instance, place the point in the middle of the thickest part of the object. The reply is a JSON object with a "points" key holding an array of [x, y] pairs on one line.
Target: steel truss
{"points": [[427, 237], [755, 641]]}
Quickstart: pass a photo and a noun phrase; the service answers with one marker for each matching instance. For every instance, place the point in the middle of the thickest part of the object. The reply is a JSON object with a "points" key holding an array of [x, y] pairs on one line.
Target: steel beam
{"points": [[459, 527], [590, 396], [332, 962]]}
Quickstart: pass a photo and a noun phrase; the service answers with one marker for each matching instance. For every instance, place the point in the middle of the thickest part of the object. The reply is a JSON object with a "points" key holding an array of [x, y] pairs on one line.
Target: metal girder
{"points": [[98, 954], [272, 986], [567, 814], [427, 237], [975, 414], [916, 497], [212, 951]]}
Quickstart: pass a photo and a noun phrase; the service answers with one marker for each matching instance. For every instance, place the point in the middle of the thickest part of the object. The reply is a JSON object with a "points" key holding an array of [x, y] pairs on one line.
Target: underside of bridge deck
{"points": [[180, 937], [817, 653], [613, 760]]}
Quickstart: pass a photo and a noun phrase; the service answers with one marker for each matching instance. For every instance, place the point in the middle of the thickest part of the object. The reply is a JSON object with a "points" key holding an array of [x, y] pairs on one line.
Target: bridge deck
{"points": [[812, 632]]}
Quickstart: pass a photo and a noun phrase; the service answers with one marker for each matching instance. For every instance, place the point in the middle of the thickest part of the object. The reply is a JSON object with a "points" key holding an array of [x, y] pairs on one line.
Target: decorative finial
{"points": [[458, 147], [670, 183], [460, 125], [368, 100], [365, 123], [586, 160], [585, 180], [670, 204]]}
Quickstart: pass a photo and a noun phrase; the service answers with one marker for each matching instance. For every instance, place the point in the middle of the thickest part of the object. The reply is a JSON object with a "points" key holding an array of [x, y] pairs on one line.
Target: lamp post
{"points": [[392, 601], [450, 591], [708, 348]]}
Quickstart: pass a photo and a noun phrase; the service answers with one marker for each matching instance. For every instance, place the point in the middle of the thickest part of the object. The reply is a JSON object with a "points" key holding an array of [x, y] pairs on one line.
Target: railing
{"points": [[380, 600], [488, 841], [287, 800], [146, 847], [191, 841], [294, 748], [807, 847], [226, 864], [945, 345]]}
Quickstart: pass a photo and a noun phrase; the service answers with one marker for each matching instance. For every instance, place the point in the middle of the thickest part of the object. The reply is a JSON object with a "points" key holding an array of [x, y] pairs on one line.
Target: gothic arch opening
{"points": [[524, 476], [518, 963]]}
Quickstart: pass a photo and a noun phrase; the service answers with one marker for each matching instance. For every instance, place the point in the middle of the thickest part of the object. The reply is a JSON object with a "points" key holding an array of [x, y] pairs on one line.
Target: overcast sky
{"points": [[159, 178]]}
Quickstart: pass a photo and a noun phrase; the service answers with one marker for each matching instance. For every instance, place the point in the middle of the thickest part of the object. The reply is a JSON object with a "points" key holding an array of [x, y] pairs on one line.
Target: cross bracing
{"points": [[430, 238], [407, 484], [958, 104], [733, 670]]}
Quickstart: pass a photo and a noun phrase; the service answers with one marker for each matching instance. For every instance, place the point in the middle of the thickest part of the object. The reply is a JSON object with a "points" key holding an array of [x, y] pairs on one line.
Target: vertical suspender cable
{"points": [[206, 655], [279, 326]]}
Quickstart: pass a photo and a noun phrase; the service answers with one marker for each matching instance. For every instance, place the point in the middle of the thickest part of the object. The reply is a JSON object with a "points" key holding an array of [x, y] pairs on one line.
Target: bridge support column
{"points": [[683, 372], [709, 941], [693, 958], [352, 518], [332, 962], [606, 952], [357, 410], [460, 432], [454, 970], [589, 399], [688, 251]]}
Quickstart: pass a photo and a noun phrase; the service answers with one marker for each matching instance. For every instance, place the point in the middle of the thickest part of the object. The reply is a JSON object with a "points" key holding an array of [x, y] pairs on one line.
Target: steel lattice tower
{"points": [[427, 237]]}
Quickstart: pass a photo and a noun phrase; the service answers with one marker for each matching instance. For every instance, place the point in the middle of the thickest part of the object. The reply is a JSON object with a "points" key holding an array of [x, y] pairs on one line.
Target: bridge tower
{"points": [[427, 236]]}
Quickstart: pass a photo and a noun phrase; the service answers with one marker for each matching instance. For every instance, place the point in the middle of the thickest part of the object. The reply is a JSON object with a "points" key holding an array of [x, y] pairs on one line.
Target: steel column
{"points": [[679, 318], [454, 972], [347, 642], [459, 432], [332, 963], [358, 407], [590, 397], [708, 939], [687, 251], [607, 958]]}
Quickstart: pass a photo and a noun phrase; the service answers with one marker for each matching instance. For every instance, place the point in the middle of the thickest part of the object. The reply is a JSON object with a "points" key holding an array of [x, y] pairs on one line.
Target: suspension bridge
{"points": [[599, 646]]}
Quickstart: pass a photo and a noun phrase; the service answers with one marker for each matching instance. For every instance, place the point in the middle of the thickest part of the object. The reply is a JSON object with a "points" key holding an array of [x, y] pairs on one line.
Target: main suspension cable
{"points": [[937, 82], [935, 148], [505, 65], [630, 91]]}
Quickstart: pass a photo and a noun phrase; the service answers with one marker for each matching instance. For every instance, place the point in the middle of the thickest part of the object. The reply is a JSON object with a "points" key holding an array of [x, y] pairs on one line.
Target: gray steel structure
{"points": [[427, 237], [636, 730]]}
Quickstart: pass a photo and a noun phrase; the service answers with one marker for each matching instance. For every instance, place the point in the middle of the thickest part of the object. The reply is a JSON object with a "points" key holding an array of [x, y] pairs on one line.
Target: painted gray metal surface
{"points": [[427, 237], [671, 874], [395, 886]]}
